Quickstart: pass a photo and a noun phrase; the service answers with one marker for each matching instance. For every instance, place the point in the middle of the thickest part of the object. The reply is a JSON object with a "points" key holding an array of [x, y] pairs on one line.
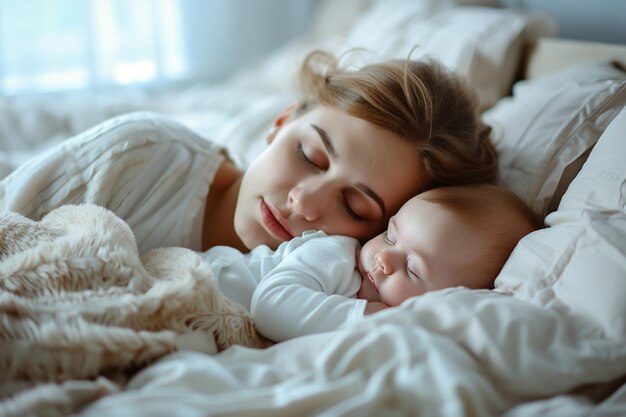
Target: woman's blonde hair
{"points": [[421, 101]]}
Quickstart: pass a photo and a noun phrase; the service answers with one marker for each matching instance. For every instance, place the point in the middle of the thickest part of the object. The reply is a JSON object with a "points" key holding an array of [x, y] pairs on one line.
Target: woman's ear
{"points": [[280, 120]]}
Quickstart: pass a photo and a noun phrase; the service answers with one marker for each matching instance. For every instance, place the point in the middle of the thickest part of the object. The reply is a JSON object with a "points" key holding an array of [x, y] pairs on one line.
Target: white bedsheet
{"points": [[450, 353]]}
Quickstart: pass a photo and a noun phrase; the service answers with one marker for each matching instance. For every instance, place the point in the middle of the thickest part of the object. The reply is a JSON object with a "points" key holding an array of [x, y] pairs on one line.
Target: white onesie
{"points": [[306, 286]]}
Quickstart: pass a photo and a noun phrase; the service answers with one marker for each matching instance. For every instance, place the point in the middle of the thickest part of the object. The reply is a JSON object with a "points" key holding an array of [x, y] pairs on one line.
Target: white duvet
{"points": [[451, 353]]}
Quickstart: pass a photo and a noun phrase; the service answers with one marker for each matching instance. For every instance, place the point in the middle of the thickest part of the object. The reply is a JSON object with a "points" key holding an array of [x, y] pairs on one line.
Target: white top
{"points": [[152, 172], [306, 286]]}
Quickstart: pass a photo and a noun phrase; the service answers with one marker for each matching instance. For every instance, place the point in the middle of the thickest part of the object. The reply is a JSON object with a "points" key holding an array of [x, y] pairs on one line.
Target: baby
{"points": [[444, 237]]}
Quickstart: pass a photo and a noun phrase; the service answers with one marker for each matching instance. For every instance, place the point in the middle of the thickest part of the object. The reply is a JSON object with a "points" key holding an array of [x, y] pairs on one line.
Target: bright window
{"points": [[52, 45], [60, 45]]}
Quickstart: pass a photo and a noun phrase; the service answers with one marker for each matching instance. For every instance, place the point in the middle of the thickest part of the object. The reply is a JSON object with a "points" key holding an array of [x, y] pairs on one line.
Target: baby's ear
{"points": [[280, 120]]}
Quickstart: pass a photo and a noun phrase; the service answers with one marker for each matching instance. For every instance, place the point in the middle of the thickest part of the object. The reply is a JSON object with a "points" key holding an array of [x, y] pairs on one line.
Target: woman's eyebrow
{"points": [[328, 144], [330, 148], [367, 190]]}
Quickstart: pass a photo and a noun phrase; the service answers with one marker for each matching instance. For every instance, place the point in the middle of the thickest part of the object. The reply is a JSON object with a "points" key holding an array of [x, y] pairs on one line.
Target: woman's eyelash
{"points": [[353, 214], [303, 157]]}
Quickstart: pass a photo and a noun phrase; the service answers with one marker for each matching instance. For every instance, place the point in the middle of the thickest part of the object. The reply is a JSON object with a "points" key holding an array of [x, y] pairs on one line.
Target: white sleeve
{"points": [[153, 173], [310, 291]]}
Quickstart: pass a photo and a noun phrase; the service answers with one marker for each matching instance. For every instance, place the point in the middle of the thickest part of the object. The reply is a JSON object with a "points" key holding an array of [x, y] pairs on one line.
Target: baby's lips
{"points": [[371, 278]]}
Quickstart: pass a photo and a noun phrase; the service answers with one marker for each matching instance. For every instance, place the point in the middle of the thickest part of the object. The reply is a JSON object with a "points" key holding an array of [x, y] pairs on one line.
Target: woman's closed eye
{"points": [[356, 205], [312, 157], [350, 211], [304, 157], [312, 162]]}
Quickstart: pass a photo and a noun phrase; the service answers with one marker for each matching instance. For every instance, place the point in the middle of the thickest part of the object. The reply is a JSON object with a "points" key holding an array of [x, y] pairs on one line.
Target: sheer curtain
{"points": [[60, 45]]}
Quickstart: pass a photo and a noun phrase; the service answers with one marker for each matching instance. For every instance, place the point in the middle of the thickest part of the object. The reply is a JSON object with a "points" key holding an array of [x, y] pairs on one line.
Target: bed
{"points": [[549, 340]]}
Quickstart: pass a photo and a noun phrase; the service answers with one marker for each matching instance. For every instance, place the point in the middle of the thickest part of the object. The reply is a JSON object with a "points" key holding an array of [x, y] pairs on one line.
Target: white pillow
{"points": [[546, 129], [483, 44], [601, 183], [579, 261]]}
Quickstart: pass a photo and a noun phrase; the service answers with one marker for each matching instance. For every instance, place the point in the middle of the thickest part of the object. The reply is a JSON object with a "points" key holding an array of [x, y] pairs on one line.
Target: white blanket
{"points": [[451, 353]]}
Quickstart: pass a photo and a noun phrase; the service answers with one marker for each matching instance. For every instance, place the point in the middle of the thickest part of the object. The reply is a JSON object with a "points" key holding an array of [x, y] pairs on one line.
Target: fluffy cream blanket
{"points": [[78, 305]]}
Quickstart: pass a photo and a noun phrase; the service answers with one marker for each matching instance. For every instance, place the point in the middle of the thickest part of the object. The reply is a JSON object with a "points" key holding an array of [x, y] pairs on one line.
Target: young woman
{"points": [[343, 160]]}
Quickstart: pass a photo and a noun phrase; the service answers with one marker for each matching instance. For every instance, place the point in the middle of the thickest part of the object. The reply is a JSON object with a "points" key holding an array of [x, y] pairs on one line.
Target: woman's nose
{"points": [[385, 260], [305, 202]]}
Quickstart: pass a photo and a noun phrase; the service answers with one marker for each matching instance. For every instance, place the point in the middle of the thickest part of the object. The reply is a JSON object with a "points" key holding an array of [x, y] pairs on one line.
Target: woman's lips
{"points": [[275, 222]]}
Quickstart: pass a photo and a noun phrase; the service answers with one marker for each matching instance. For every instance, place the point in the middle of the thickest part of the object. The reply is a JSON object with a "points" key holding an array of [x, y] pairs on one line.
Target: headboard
{"points": [[549, 54]]}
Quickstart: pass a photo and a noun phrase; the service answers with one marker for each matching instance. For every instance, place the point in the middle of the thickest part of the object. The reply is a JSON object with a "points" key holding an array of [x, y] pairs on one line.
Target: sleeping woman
{"points": [[342, 160]]}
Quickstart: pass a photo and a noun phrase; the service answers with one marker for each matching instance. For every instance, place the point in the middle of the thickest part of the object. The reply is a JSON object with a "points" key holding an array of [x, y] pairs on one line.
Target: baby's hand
{"points": [[374, 307]]}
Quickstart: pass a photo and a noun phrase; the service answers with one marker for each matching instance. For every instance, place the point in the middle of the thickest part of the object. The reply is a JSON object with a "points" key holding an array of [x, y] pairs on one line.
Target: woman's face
{"points": [[325, 170]]}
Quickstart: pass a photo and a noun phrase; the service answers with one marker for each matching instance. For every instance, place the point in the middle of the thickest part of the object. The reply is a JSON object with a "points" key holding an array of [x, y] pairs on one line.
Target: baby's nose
{"points": [[384, 259]]}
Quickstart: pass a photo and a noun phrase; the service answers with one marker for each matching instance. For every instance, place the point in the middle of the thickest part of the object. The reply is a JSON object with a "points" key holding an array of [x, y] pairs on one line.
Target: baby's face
{"points": [[426, 247]]}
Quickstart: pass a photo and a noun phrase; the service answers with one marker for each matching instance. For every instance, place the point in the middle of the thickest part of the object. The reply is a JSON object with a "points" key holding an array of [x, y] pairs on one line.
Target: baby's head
{"points": [[444, 237]]}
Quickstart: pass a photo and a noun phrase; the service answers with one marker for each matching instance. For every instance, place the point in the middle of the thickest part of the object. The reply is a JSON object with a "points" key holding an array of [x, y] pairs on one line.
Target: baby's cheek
{"points": [[399, 293], [367, 292]]}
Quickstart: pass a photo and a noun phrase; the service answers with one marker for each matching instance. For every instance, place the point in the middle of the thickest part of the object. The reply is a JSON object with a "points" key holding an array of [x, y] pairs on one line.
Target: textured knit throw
{"points": [[77, 302]]}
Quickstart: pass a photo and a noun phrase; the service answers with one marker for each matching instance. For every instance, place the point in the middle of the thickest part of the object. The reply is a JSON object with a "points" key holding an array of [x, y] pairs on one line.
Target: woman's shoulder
{"points": [[143, 130]]}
